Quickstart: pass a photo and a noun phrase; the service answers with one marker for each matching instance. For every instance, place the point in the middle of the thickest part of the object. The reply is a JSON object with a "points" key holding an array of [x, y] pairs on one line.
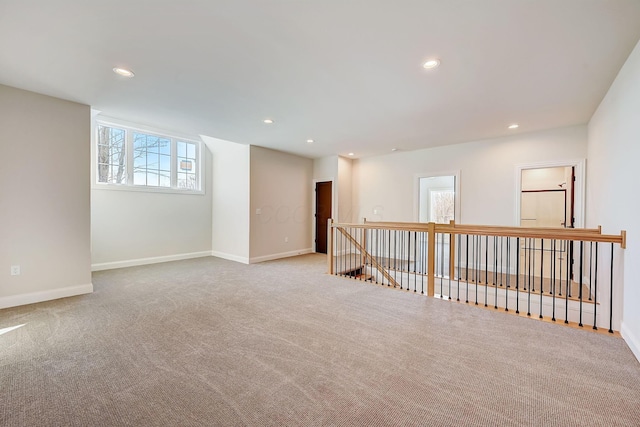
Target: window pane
{"points": [[182, 149], [165, 147], [139, 178], [165, 163], [111, 155], [191, 151], [165, 179], [152, 178]]}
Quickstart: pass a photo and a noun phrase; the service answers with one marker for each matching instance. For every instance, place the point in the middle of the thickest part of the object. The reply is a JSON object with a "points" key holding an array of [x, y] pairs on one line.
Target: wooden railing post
{"points": [[431, 249], [330, 246]]}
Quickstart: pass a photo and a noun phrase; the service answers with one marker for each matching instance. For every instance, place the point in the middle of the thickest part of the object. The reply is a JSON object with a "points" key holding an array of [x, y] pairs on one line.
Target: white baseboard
{"points": [[145, 261], [34, 297], [280, 255], [631, 339], [230, 257]]}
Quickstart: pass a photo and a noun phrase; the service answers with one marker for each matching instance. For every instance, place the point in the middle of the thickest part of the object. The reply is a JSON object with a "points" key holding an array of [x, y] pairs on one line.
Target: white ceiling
{"points": [[346, 73]]}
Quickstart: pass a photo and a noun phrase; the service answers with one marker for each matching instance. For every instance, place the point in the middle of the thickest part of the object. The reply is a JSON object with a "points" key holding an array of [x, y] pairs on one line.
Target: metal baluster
{"points": [[498, 268], [401, 263], [450, 261], [590, 267], [508, 269], [611, 294], [423, 260], [541, 273], [415, 261], [595, 293], [566, 293], [517, 275], [459, 264], [560, 275], [553, 280], [501, 264], [476, 252], [580, 280], [495, 261], [529, 279], [466, 273], [486, 268]]}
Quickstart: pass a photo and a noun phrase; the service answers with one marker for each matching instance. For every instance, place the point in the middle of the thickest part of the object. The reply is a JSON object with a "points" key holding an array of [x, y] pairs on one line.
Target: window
{"points": [[131, 157], [112, 166], [442, 203]]}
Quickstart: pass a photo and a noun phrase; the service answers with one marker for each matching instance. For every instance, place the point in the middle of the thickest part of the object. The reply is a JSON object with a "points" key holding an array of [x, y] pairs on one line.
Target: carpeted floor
{"points": [[208, 342]]}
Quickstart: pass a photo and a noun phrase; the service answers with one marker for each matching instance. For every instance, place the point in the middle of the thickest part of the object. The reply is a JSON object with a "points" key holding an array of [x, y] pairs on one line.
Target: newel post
{"points": [[330, 246], [431, 254]]}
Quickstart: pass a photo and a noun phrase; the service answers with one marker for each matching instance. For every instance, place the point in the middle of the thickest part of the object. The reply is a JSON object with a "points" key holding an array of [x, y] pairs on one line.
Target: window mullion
{"points": [[174, 163], [129, 153]]}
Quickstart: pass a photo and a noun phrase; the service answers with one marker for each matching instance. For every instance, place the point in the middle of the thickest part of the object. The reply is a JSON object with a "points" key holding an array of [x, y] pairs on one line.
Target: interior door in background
{"points": [[323, 213]]}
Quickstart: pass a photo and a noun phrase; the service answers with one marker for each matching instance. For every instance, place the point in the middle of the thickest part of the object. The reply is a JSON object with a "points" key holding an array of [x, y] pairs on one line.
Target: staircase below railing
{"points": [[555, 274]]}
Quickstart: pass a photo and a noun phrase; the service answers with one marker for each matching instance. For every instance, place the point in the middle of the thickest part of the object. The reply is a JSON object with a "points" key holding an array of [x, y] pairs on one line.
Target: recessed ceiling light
{"points": [[432, 63], [268, 121], [310, 141], [514, 126], [123, 72], [351, 154]]}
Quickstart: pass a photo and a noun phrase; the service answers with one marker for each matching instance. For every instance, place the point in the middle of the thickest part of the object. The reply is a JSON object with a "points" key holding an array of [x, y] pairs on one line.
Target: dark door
{"points": [[323, 213]]}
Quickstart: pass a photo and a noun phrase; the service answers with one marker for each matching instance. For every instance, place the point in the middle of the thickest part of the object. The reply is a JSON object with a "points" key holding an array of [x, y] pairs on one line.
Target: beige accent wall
{"points": [[281, 189], [44, 197]]}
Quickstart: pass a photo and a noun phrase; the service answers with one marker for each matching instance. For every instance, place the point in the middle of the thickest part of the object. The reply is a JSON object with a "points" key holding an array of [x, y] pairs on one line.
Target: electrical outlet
{"points": [[258, 211], [15, 270], [286, 240]]}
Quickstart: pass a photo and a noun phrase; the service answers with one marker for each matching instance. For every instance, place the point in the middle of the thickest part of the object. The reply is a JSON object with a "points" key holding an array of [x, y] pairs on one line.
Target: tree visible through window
{"points": [[111, 155], [442, 205], [151, 160]]}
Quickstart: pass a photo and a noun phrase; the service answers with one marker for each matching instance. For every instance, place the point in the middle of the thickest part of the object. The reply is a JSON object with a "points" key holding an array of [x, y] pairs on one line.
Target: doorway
{"points": [[438, 201], [547, 200], [547, 197], [324, 193]]}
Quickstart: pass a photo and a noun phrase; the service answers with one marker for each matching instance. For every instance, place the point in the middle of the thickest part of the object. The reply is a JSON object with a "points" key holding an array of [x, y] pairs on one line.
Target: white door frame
{"points": [[579, 186]]}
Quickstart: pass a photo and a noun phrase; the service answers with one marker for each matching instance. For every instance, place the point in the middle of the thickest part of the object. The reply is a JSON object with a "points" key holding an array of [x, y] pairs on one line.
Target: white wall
{"points": [[44, 197], [281, 189], [325, 168], [230, 199], [613, 153], [138, 227], [344, 206], [488, 188]]}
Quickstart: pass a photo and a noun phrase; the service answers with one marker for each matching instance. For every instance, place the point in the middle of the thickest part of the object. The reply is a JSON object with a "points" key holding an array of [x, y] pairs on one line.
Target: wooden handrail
{"points": [[429, 261], [578, 234], [372, 260]]}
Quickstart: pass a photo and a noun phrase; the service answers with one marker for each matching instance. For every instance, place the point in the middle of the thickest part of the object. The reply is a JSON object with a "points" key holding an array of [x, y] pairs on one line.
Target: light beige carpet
{"points": [[210, 342]]}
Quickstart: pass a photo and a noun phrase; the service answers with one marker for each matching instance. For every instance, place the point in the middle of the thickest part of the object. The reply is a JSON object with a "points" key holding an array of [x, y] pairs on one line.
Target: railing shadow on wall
{"points": [[557, 274]]}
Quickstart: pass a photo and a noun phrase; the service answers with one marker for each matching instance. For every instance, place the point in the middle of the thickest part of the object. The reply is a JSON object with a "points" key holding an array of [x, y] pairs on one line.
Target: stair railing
{"points": [[555, 274]]}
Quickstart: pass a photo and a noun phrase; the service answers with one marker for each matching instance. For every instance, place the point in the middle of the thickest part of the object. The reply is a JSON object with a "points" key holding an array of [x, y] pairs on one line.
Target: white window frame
{"points": [[130, 128]]}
